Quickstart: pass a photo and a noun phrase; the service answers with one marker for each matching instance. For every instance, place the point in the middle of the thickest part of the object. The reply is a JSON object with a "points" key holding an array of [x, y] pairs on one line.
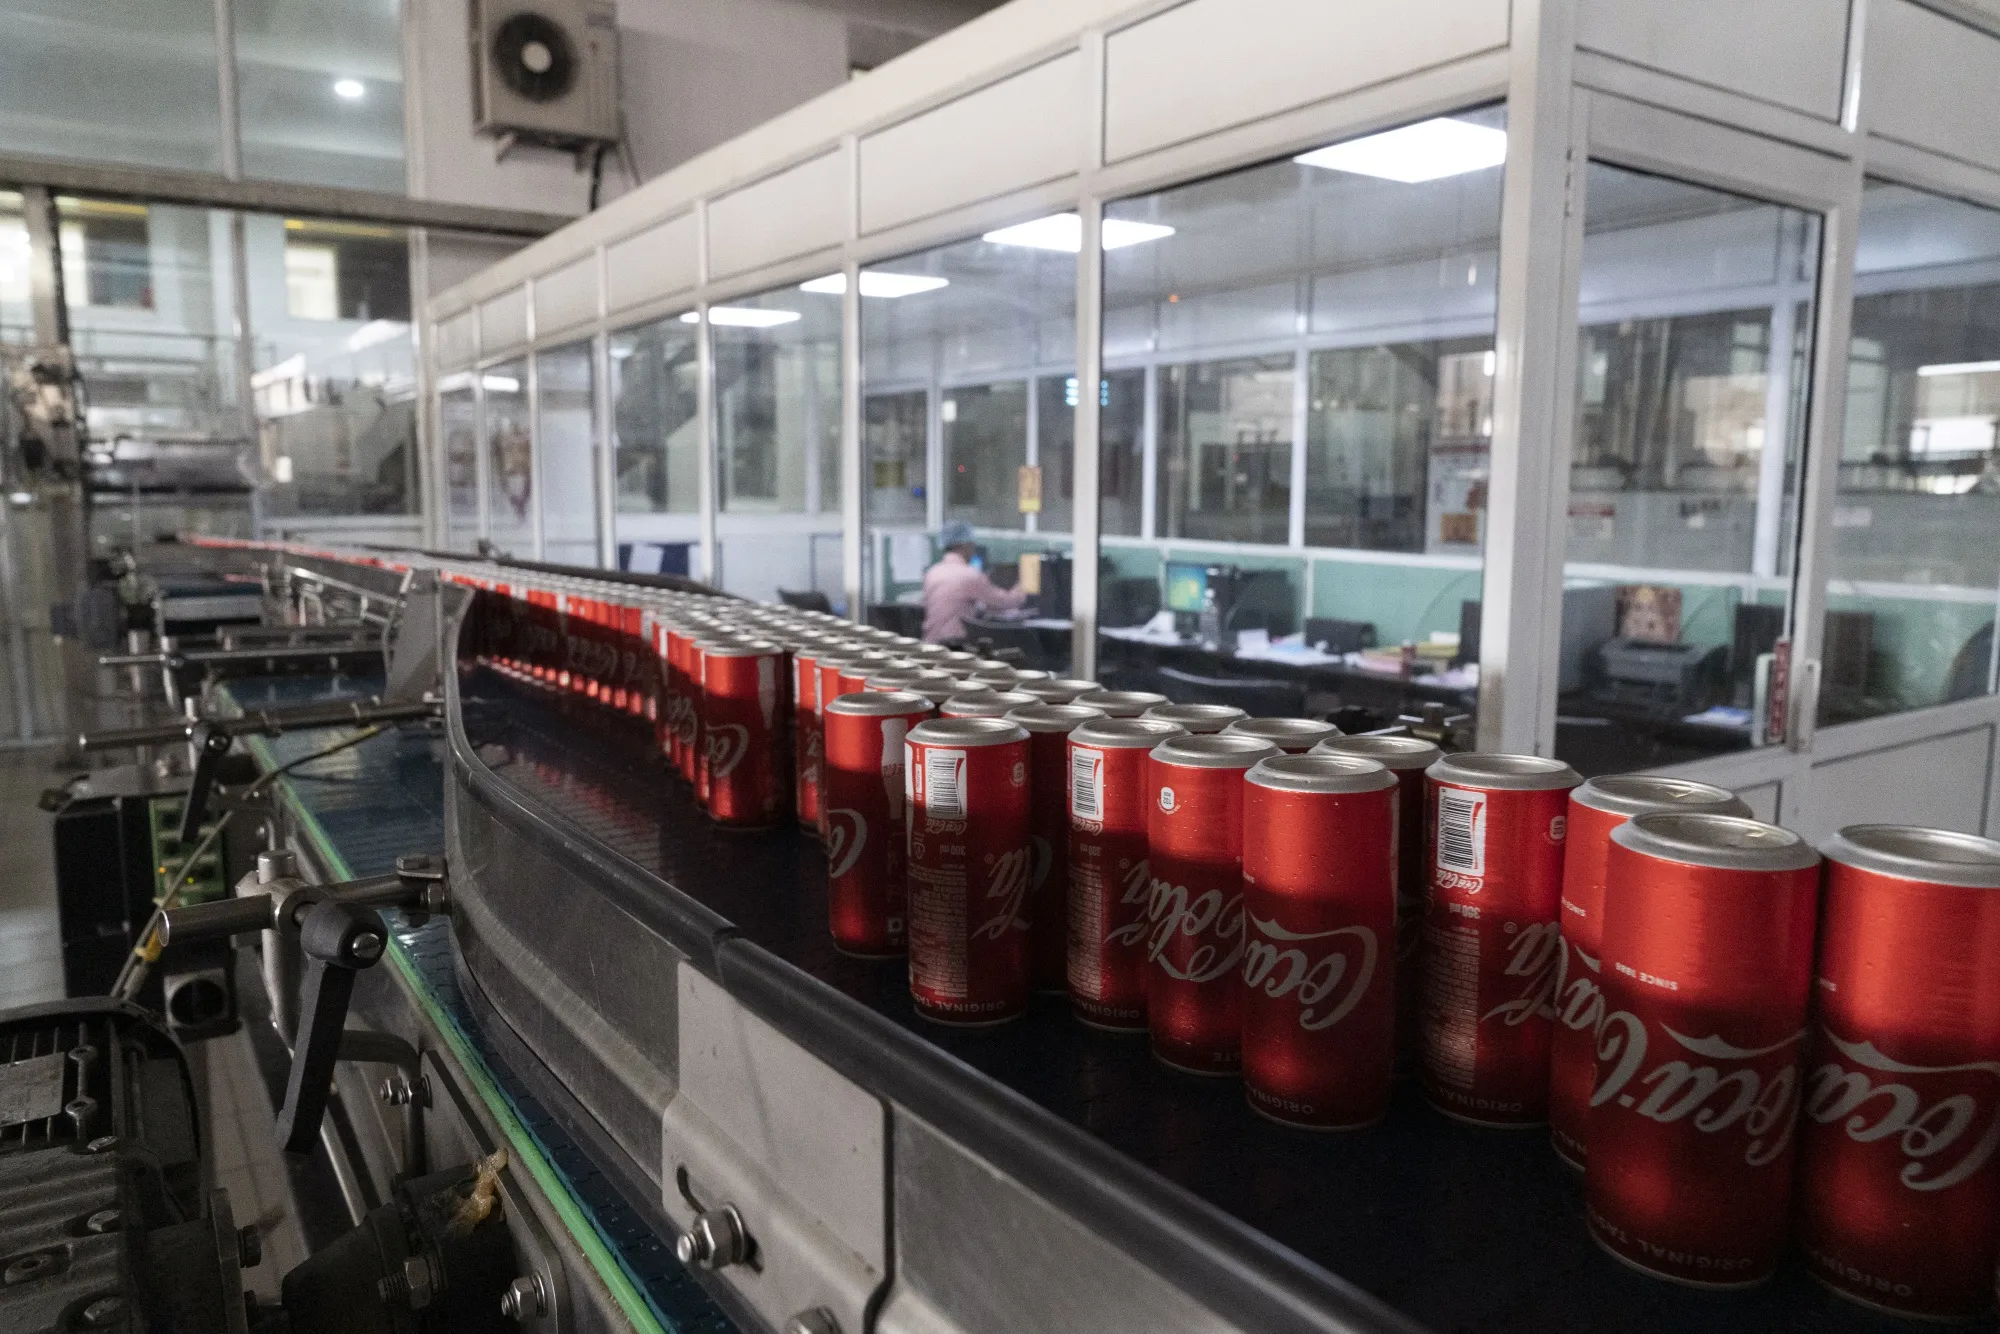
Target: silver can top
{"points": [[880, 704], [1636, 794], [1213, 751], [740, 648], [1293, 735], [1331, 774], [986, 703], [1394, 752], [966, 732], [1909, 852], [1121, 703], [1052, 717], [1729, 842], [1504, 773], [1197, 718], [1125, 733], [993, 676]]}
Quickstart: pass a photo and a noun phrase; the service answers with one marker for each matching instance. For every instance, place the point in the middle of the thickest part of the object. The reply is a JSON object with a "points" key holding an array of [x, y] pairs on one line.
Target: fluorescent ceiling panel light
{"points": [[1427, 151], [1064, 232], [351, 90], [1960, 368], [875, 282], [375, 331], [500, 384], [743, 317]]}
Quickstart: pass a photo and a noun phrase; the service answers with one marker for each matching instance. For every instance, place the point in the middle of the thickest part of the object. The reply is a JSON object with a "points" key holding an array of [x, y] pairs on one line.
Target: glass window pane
{"points": [[1695, 320], [320, 83], [777, 440], [510, 458], [1305, 352], [971, 345], [566, 436], [1121, 436], [16, 309], [334, 366], [458, 422], [655, 394], [1915, 575], [111, 81]]}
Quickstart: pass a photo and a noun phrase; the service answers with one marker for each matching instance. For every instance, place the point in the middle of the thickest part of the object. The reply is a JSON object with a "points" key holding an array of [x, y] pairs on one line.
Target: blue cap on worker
{"points": [[957, 533]]}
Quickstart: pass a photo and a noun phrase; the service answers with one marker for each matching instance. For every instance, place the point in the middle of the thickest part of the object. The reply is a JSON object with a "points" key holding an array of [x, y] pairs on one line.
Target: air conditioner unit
{"points": [[546, 70]]}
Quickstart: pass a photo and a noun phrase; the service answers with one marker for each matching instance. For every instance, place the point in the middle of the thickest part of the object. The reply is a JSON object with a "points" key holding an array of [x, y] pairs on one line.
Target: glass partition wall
{"points": [[566, 452], [1695, 312], [1297, 412]]}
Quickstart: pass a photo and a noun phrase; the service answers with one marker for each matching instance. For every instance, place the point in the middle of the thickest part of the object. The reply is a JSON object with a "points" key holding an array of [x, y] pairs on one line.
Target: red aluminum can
{"points": [[1122, 703], [1708, 953], [1492, 943], [1294, 736], [744, 700], [969, 855], [1406, 757], [984, 704], [683, 695], [1194, 911], [1595, 809], [1110, 884], [806, 733], [858, 667], [1200, 719], [1319, 954], [1048, 727], [866, 830], [1899, 1189]]}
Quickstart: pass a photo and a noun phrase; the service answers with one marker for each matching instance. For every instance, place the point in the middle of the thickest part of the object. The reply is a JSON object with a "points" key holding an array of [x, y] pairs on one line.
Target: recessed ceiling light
{"points": [[1427, 151], [1064, 231], [500, 384], [351, 89], [1960, 368], [875, 282], [743, 317]]}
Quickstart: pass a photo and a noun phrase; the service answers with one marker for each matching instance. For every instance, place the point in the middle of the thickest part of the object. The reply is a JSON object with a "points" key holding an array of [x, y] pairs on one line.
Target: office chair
{"points": [[1259, 698], [810, 599]]}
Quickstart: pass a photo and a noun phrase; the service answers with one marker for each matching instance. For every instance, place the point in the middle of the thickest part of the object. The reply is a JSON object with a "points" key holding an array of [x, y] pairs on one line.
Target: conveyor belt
{"points": [[361, 809], [1463, 1229]]}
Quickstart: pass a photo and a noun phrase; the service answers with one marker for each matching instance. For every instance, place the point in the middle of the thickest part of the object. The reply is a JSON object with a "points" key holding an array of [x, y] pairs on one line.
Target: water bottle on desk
{"points": [[1209, 629]]}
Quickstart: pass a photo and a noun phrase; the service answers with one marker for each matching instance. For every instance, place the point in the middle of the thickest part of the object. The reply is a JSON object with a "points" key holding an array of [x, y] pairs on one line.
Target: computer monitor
{"points": [[1187, 587]]}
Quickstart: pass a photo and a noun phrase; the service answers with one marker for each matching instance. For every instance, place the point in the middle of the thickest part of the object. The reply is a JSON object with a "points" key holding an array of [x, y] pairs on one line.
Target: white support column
{"points": [[1149, 454], [604, 435], [537, 475], [1534, 376], [704, 412], [1778, 383], [1295, 533], [1031, 523], [1085, 516], [853, 515], [934, 447]]}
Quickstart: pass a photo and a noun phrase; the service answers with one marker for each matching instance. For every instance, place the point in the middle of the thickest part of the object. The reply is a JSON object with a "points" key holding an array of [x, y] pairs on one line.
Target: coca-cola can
{"points": [[1319, 957], [1200, 719], [984, 704], [807, 741], [1110, 884], [1294, 736], [1707, 965], [866, 829], [1056, 689], [858, 667], [744, 699], [1122, 703], [1407, 757], [1048, 727], [968, 869], [1899, 1189], [1492, 943], [1595, 809], [1002, 677], [1194, 911], [683, 703]]}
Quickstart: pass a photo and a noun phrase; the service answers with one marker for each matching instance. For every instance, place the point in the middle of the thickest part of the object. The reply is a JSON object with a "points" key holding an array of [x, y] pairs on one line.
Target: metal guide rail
{"points": [[837, 1161]]}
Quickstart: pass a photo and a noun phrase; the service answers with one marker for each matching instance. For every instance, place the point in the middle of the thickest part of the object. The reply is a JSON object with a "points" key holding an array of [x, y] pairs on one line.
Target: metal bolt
{"points": [[715, 1240], [526, 1298], [819, 1320], [420, 1281], [104, 1310], [102, 1143], [366, 946], [28, 1268], [104, 1220]]}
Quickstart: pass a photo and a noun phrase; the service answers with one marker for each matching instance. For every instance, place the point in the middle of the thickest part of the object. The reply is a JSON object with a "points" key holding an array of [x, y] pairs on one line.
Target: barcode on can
{"points": [[1086, 784], [944, 784], [1461, 832]]}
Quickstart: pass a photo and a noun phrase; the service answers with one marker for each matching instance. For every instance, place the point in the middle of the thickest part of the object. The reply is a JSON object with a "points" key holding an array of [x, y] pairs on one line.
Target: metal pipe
{"points": [[261, 722]]}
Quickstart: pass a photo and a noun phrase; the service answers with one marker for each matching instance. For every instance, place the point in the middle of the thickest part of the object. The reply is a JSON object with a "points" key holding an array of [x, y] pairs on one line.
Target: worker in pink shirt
{"points": [[954, 588]]}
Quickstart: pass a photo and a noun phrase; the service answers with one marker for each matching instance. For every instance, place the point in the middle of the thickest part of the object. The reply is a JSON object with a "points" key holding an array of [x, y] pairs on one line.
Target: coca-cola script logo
{"points": [[1006, 891], [728, 743], [1579, 1000], [1939, 1139], [1534, 956], [1328, 987], [1173, 912], [846, 835], [1134, 890], [1722, 1091]]}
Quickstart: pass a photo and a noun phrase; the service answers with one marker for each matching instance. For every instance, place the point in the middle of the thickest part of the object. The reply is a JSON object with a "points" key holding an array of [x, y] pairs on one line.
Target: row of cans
{"points": [[1737, 1038]]}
